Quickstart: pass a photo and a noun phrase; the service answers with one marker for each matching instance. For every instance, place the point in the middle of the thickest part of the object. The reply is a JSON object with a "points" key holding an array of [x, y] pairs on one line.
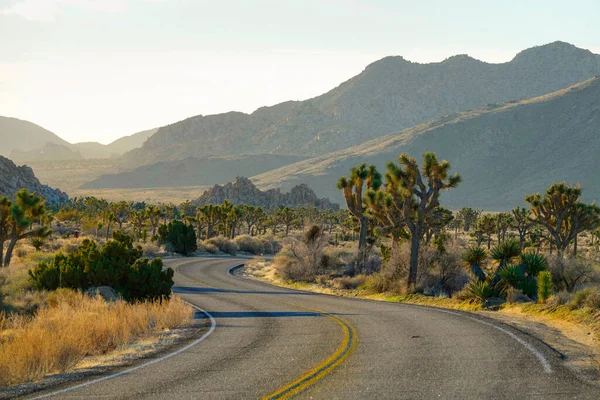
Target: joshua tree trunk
{"points": [[1, 252], [414, 260], [9, 250], [107, 231], [575, 245]]}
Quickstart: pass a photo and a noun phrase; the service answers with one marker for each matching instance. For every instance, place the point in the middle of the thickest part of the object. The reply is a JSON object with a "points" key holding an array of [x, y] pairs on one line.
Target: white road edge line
{"points": [[545, 363], [213, 325]]}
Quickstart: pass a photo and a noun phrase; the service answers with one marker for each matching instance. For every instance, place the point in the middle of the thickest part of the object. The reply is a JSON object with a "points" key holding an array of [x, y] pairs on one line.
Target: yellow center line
{"points": [[317, 373], [344, 350]]}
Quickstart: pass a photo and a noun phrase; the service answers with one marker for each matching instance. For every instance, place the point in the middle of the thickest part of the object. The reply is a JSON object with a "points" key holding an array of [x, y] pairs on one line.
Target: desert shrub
{"points": [[349, 282], [287, 268], [571, 274], [249, 244], [588, 297], [209, 247], [224, 244], [559, 299], [480, 290], [150, 249], [116, 264], [181, 237], [544, 283], [592, 300], [307, 254]]}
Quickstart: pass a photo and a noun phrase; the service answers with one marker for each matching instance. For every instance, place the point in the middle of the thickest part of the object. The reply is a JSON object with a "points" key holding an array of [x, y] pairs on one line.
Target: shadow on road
{"points": [[197, 290]]}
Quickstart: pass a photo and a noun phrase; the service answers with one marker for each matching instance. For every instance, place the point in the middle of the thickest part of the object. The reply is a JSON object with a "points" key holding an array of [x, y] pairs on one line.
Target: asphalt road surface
{"points": [[269, 342]]}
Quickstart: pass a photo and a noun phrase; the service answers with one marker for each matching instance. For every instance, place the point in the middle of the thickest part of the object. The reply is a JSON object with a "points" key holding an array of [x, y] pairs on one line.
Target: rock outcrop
{"points": [[13, 178], [243, 191]]}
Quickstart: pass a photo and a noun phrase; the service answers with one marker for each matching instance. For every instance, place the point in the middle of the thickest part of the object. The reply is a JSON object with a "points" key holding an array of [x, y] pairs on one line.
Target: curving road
{"points": [[276, 342]]}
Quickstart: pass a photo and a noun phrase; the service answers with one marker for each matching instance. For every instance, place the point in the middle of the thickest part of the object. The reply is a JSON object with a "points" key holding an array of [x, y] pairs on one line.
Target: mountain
{"points": [[503, 151], [14, 178], [243, 191], [25, 136], [49, 152], [389, 95], [192, 171], [26, 141], [127, 143]]}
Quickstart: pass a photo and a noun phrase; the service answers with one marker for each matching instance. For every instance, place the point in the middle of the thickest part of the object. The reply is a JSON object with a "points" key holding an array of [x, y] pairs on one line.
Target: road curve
{"points": [[274, 342]]}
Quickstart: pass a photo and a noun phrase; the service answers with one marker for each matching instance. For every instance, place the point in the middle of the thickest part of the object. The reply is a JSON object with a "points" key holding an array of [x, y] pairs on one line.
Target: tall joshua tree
{"points": [[563, 215], [419, 190], [352, 188]]}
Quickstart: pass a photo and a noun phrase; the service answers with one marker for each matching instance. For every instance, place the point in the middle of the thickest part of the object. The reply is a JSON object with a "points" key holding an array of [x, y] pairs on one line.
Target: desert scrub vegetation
{"points": [[71, 326], [117, 264]]}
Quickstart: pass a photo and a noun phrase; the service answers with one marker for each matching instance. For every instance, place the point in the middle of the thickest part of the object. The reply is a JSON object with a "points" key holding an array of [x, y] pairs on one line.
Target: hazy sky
{"points": [[95, 70]]}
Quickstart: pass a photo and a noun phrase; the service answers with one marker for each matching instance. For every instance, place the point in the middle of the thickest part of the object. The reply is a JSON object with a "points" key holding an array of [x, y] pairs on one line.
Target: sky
{"points": [[96, 70]]}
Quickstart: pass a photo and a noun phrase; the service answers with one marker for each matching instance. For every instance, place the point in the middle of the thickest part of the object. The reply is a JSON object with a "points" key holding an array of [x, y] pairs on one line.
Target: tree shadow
{"points": [[197, 290]]}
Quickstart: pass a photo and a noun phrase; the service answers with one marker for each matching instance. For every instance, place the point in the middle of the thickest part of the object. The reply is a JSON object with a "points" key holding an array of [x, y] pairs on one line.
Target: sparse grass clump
{"points": [[73, 326]]}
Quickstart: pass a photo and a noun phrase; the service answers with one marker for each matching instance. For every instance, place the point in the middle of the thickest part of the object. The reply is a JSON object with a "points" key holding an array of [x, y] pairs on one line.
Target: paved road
{"points": [[272, 341]]}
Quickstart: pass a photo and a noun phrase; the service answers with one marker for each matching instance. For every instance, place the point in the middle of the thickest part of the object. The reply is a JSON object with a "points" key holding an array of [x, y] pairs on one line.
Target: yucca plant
{"points": [[480, 290], [506, 251], [533, 264], [510, 276], [474, 257]]}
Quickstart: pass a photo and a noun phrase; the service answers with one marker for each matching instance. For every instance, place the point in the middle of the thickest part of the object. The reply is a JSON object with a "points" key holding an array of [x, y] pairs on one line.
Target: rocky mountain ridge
{"points": [[13, 178], [389, 95], [503, 151], [243, 191]]}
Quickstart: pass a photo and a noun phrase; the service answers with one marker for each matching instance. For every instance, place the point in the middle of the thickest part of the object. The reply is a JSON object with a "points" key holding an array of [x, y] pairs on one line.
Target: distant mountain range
{"points": [[26, 141], [503, 151], [389, 95], [192, 172]]}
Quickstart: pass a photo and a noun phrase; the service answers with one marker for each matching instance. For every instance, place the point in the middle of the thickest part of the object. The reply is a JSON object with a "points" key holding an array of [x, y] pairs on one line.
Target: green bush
{"points": [[116, 264], [181, 237], [544, 283]]}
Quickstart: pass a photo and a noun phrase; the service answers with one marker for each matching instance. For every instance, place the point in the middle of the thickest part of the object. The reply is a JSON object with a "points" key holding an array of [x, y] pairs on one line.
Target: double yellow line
{"points": [[344, 350], [314, 375]]}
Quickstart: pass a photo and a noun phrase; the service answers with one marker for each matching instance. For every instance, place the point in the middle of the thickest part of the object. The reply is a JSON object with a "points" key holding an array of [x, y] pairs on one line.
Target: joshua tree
{"points": [[503, 222], [352, 188], [487, 226], [17, 223], [212, 217], [154, 214], [419, 194], [563, 215], [288, 217], [469, 217], [521, 223], [121, 212]]}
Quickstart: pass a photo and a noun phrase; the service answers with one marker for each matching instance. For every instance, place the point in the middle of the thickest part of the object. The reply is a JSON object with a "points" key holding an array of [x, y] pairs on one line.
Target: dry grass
{"points": [[73, 326]]}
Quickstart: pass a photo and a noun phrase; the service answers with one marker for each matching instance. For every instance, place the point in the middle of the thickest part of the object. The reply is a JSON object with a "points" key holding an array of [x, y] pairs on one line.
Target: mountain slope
{"points": [[116, 148], [503, 152], [127, 143], [192, 172], [389, 95], [14, 178], [25, 136]]}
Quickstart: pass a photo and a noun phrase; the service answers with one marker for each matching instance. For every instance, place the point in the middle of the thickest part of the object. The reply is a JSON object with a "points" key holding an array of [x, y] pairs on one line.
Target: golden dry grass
{"points": [[73, 326]]}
